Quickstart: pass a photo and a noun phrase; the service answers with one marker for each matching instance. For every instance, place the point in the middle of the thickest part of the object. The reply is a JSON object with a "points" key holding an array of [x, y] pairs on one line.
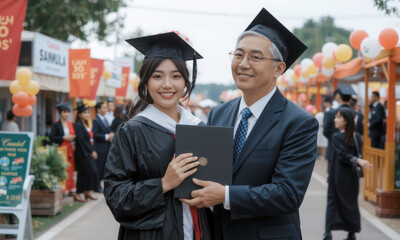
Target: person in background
{"points": [[120, 117], [375, 124], [359, 116], [322, 141], [342, 212], [85, 156], [10, 124], [63, 133], [327, 104], [102, 138], [110, 112]]}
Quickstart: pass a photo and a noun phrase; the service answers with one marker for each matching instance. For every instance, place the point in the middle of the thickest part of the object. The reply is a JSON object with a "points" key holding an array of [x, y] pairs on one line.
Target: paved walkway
{"points": [[94, 220]]}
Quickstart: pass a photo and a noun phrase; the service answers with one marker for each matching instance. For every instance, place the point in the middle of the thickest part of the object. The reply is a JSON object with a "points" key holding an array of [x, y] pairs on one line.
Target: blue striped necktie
{"points": [[241, 134]]}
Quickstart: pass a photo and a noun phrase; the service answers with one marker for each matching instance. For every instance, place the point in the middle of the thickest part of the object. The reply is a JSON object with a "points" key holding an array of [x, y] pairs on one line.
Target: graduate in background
{"points": [[141, 168], [63, 133]]}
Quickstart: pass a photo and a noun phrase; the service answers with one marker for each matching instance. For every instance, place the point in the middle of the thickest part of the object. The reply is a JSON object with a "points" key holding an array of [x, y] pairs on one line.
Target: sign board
{"points": [[115, 80], [15, 158], [50, 56], [125, 62]]}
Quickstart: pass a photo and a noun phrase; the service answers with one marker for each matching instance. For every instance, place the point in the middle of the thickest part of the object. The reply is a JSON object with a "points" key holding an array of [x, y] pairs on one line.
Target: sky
{"points": [[213, 26]]}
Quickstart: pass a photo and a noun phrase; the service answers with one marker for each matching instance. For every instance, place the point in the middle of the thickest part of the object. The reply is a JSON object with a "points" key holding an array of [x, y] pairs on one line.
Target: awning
{"points": [[347, 69]]}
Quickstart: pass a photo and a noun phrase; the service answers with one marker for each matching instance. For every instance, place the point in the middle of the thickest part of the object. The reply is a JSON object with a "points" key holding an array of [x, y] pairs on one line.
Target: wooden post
{"points": [[334, 83], [367, 140], [318, 98]]}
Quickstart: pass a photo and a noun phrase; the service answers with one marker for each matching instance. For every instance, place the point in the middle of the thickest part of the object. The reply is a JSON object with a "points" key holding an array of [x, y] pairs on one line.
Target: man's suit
{"points": [[376, 129], [271, 174], [100, 144]]}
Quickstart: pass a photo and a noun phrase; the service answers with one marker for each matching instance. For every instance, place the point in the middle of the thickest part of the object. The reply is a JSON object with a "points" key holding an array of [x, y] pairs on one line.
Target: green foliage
{"points": [[316, 34], [384, 5], [212, 90], [62, 19], [47, 165]]}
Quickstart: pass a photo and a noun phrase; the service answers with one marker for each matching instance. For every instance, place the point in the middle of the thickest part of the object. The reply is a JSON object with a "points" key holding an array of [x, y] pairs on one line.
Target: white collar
{"points": [[376, 103], [257, 107], [100, 116], [155, 115]]}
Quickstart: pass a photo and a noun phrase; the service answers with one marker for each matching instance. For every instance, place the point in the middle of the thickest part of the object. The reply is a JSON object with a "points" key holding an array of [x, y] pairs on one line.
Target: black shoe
{"points": [[100, 190], [350, 236], [326, 236]]}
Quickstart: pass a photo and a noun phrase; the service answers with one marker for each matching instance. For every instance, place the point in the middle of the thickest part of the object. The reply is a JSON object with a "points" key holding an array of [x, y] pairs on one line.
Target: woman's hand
{"points": [[94, 155], [364, 163], [179, 169], [69, 137]]}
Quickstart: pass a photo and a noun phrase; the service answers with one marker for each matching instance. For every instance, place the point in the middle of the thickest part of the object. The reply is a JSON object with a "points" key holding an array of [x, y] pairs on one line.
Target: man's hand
{"points": [[211, 194]]}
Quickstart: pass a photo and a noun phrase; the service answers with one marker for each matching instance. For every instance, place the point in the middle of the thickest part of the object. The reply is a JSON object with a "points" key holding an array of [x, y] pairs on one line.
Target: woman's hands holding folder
{"points": [[178, 169], [211, 194]]}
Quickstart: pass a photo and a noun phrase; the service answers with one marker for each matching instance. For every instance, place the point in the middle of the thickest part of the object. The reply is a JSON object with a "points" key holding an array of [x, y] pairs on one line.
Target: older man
{"points": [[275, 142]]}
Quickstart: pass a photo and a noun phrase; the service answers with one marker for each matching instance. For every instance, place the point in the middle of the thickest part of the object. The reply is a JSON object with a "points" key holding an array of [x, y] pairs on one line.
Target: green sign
{"points": [[15, 157]]}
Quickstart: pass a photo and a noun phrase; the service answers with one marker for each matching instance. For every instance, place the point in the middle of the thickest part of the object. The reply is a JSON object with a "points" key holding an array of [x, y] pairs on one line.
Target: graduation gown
{"points": [[342, 211], [138, 158]]}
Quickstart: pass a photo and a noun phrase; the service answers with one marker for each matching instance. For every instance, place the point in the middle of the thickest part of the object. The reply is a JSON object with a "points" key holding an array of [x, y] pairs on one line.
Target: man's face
{"points": [[374, 98], [110, 107], [256, 80], [102, 110]]}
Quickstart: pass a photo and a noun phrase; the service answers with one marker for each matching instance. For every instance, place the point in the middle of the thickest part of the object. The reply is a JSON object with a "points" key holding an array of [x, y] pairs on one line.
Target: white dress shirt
{"points": [[102, 118], [256, 109]]}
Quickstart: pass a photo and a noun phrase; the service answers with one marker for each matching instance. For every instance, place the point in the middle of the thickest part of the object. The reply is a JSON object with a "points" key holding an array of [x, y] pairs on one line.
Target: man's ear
{"points": [[279, 69]]}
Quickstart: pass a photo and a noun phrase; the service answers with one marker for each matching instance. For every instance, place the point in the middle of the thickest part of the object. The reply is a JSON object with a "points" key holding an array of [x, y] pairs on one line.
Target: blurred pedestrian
{"points": [[10, 124], [120, 117], [322, 141], [63, 133], [110, 112], [85, 156], [377, 116], [342, 212]]}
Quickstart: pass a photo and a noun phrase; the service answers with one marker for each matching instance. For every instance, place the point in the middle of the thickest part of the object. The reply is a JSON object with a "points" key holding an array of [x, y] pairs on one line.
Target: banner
{"points": [[79, 73], [121, 92], [12, 16], [115, 80], [97, 67]]}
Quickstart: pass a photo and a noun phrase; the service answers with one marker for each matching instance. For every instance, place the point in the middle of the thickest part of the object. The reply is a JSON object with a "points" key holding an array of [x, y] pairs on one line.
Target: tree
{"points": [[384, 5], [316, 34], [72, 18]]}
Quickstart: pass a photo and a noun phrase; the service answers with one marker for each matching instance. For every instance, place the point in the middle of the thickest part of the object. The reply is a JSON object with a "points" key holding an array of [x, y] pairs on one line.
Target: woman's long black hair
{"points": [[144, 99], [348, 116]]}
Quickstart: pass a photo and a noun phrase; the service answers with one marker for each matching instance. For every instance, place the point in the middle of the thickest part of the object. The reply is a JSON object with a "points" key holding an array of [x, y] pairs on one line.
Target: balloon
{"points": [[31, 100], [17, 110], [343, 53], [370, 47], [15, 87], [21, 98], [310, 108], [32, 88], [27, 111], [304, 73], [297, 69], [356, 37], [317, 59], [328, 71], [312, 69], [305, 63], [328, 49], [388, 38], [328, 63], [24, 75], [288, 75], [107, 75]]}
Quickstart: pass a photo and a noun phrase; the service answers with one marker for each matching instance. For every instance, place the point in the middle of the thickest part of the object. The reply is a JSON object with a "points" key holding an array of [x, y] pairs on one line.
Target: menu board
{"points": [[15, 157]]}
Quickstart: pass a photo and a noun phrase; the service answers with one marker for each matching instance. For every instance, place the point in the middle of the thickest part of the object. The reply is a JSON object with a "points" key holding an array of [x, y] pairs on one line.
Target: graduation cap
{"points": [[346, 89], [81, 108], [166, 45], [287, 43], [62, 107]]}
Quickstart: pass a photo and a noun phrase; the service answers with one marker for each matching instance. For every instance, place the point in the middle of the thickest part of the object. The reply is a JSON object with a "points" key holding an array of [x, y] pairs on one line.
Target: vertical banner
{"points": [[79, 73], [12, 16], [121, 92], [97, 67]]}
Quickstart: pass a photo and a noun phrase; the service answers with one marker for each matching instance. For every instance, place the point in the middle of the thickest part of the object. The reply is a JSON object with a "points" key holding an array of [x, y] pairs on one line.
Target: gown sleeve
{"points": [[84, 144], [339, 147], [136, 205], [55, 135]]}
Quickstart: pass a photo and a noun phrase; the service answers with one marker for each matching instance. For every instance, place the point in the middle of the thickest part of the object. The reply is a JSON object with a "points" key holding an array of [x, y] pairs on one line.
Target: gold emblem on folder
{"points": [[203, 161]]}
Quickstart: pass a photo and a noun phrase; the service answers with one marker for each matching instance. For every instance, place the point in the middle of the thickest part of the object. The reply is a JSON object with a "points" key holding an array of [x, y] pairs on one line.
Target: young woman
{"points": [[63, 133], [342, 212], [85, 156], [142, 169]]}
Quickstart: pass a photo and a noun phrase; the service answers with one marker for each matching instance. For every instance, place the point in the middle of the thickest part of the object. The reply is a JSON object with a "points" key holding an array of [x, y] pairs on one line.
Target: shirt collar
{"points": [[257, 108], [376, 103], [101, 117]]}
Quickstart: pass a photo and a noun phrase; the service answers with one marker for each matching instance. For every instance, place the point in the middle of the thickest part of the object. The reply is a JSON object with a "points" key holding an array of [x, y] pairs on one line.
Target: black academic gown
{"points": [[139, 156], [342, 211]]}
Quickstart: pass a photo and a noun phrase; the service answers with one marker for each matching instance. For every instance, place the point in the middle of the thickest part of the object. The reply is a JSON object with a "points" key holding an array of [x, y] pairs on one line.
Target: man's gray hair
{"points": [[273, 49]]}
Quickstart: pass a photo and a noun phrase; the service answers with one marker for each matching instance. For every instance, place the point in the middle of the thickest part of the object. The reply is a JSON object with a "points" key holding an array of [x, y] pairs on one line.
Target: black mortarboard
{"points": [[346, 89], [166, 45], [63, 106], [288, 44], [81, 108]]}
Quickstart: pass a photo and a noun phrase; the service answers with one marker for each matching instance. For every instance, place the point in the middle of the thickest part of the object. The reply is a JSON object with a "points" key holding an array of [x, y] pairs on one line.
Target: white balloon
{"points": [[108, 66], [327, 71], [370, 47], [303, 79], [329, 49], [305, 63]]}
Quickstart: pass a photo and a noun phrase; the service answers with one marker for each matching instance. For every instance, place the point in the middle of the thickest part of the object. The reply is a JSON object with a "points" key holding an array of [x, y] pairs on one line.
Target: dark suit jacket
{"points": [[376, 128], [329, 128], [99, 134], [57, 133], [272, 172]]}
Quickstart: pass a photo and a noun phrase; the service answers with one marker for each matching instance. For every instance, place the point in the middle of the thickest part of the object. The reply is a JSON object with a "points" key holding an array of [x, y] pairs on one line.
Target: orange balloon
{"points": [[32, 88], [388, 38], [17, 110], [32, 100], [297, 69], [20, 98], [356, 38], [27, 111], [15, 87]]}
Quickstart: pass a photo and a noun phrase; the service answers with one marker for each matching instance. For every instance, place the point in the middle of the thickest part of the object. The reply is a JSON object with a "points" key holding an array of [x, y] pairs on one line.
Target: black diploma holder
{"points": [[214, 148]]}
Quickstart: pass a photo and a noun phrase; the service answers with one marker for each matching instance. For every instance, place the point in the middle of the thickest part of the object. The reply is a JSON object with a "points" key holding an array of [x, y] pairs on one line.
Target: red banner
{"points": [[79, 73], [95, 76], [121, 92], [12, 16]]}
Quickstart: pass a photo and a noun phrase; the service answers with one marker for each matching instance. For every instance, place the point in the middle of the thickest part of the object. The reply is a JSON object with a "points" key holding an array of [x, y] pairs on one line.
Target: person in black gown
{"points": [[120, 117], [342, 211], [141, 168], [85, 156]]}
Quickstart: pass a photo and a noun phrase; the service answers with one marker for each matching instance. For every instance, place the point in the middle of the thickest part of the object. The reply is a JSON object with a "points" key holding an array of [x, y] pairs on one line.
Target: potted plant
{"points": [[49, 168]]}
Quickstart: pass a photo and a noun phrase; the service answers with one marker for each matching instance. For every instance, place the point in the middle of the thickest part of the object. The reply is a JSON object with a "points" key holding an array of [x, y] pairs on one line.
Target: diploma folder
{"points": [[214, 148]]}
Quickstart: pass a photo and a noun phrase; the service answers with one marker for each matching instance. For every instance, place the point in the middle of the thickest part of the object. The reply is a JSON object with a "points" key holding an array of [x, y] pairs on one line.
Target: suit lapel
{"points": [[232, 112], [268, 118], [102, 123]]}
